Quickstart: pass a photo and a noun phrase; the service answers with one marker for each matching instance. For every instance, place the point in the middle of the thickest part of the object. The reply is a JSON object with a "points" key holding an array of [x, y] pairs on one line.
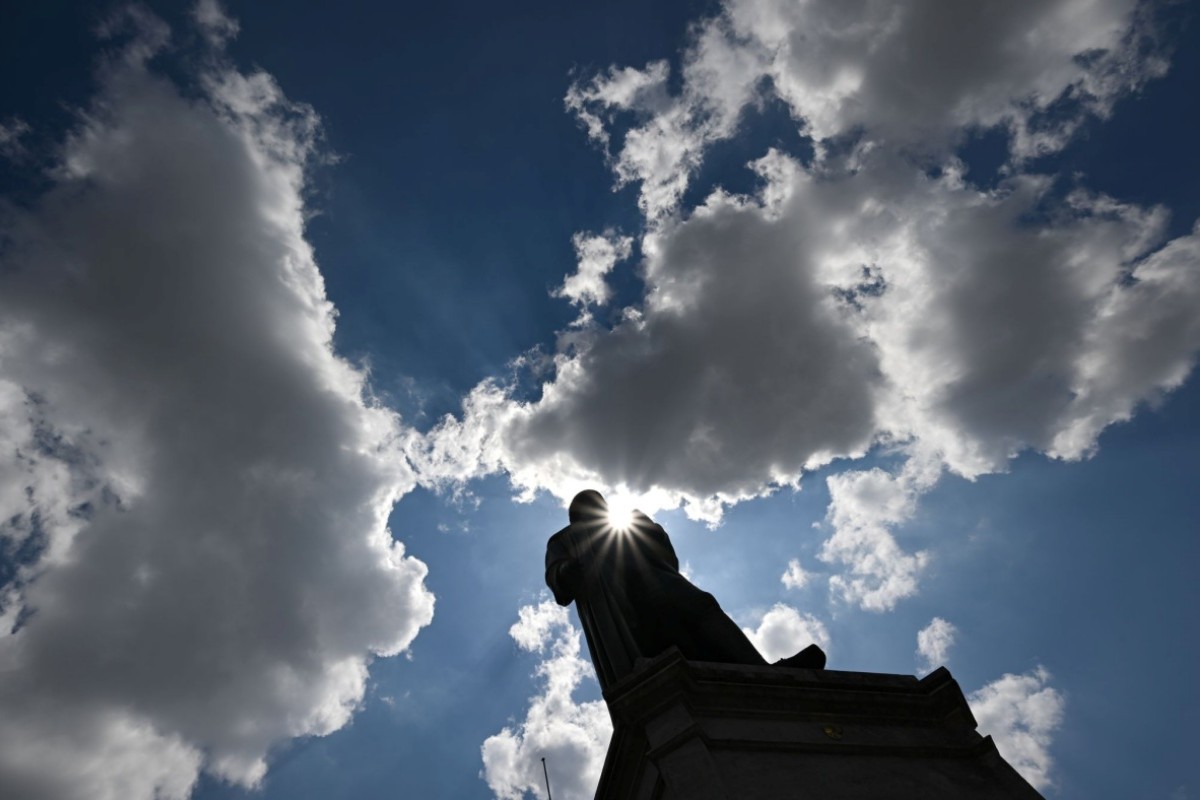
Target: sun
{"points": [[620, 513]]}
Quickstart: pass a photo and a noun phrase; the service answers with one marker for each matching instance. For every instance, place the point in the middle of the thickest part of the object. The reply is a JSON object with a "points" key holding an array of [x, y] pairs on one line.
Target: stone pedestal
{"points": [[700, 731]]}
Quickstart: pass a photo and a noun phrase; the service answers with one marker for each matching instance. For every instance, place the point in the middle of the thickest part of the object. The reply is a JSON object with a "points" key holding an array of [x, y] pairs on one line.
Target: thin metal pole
{"points": [[547, 776]]}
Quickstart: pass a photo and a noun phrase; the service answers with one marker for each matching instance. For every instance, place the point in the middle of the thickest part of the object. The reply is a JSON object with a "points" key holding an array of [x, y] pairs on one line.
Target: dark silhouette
{"points": [[633, 602]]}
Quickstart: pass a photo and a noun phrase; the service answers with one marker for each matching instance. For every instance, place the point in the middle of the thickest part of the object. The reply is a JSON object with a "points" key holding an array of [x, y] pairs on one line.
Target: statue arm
{"points": [[563, 573]]}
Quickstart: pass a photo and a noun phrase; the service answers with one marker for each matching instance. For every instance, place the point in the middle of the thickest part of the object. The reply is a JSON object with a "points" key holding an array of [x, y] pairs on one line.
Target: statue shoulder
{"points": [[643, 521], [559, 537]]}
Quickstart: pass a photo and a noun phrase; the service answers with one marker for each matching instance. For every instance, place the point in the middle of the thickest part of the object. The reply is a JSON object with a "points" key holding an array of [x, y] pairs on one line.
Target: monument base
{"points": [[701, 731]]}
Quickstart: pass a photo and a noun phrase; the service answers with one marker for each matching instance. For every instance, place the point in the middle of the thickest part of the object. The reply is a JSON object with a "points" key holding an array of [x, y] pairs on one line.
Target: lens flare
{"points": [[620, 513]]}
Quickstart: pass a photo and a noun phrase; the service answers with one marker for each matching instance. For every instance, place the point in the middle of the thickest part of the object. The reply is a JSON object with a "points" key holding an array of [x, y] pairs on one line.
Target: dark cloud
{"points": [[218, 572], [868, 296], [919, 73], [701, 392]]}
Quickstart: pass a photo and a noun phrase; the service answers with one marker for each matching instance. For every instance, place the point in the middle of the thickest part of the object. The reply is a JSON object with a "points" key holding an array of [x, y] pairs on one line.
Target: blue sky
{"points": [[311, 322]]}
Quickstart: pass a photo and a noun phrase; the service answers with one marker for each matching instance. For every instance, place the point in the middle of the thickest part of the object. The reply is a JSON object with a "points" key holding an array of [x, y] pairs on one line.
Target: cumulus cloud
{"points": [[722, 73], [921, 72], [783, 631], [11, 133], [868, 298], [934, 642], [596, 256], [905, 75], [537, 626], [572, 737], [795, 577], [216, 25], [1022, 712], [863, 507], [194, 487]]}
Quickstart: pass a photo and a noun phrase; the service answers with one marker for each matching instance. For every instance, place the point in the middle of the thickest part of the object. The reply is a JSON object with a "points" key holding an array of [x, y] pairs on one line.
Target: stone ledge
{"points": [[699, 730]]}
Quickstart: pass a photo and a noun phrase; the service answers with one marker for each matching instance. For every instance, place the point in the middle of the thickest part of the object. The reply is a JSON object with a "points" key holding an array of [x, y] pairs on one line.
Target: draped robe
{"points": [[633, 602]]}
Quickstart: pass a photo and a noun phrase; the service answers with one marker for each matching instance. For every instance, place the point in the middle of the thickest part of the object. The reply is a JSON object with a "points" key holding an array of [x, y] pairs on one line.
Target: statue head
{"points": [[588, 506]]}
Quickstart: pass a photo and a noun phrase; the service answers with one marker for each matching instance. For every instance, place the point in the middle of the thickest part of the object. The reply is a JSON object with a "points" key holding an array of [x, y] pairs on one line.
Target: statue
{"points": [[633, 602]]}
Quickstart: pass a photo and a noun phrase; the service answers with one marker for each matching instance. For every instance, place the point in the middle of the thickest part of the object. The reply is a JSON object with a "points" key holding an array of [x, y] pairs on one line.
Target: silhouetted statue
{"points": [[632, 600]]}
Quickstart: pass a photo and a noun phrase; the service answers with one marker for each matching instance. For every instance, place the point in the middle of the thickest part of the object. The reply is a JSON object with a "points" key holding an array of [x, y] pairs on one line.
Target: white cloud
{"points": [[869, 297], [878, 307], [538, 626], [921, 72], [783, 631], [11, 133], [216, 25], [795, 577], [913, 75], [1022, 712], [596, 256], [934, 642], [667, 145], [863, 506], [572, 737], [207, 483]]}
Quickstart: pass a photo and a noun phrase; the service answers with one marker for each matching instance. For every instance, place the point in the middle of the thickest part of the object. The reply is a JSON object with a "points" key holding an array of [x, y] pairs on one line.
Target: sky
{"points": [[312, 322]]}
